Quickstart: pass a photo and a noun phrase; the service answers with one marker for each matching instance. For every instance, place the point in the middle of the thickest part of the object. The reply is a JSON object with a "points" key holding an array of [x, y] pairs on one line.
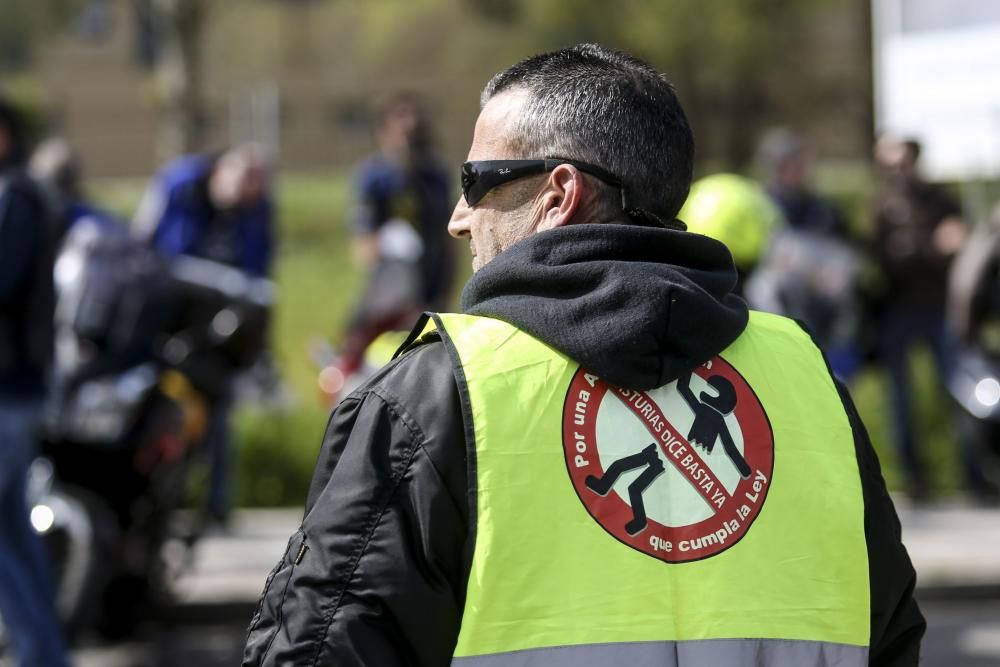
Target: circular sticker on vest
{"points": [[679, 472]]}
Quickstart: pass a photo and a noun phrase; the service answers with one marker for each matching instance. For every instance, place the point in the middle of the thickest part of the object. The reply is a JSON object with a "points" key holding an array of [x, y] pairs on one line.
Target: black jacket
{"points": [[27, 296], [377, 573]]}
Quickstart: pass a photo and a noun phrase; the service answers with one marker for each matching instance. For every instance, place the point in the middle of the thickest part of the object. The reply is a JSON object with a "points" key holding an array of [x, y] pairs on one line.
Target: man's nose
{"points": [[458, 226]]}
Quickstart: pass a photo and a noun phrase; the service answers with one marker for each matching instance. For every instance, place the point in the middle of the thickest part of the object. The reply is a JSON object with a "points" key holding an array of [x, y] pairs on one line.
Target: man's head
{"points": [[896, 156], [402, 127], [589, 104], [240, 177], [57, 165], [784, 159]]}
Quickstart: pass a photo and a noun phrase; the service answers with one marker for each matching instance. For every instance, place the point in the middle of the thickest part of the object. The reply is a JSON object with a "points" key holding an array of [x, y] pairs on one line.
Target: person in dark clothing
{"points": [[579, 256], [809, 271], [27, 239], [786, 163], [403, 201], [918, 229]]}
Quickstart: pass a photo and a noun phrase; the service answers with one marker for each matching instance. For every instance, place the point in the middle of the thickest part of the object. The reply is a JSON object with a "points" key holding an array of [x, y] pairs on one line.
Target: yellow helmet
{"points": [[734, 210]]}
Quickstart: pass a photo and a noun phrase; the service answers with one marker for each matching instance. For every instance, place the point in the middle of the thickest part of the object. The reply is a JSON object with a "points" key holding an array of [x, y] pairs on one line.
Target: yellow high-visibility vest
{"points": [[715, 518]]}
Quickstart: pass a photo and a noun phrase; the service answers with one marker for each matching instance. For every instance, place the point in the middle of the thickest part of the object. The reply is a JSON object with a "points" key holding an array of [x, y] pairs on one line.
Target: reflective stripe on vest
{"points": [[703, 653], [614, 524]]}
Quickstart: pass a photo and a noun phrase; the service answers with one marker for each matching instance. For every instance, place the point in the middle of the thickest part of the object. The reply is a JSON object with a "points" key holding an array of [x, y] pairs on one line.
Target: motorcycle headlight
{"points": [[42, 518], [987, 392]]}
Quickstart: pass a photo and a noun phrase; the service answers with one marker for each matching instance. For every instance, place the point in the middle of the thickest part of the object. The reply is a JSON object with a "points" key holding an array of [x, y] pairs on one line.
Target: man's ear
{"points": [[560, 203]]}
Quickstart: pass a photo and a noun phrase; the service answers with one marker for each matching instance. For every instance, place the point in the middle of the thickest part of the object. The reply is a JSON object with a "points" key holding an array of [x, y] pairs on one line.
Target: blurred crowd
{"points": [[917, 274], [120, 341], [123, 344], [119, 347]]}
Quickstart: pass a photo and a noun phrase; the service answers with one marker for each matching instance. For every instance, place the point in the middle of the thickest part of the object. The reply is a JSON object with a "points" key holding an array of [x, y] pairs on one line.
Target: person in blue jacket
{"points": [[400, 218], [217, 208], [214, 207]]}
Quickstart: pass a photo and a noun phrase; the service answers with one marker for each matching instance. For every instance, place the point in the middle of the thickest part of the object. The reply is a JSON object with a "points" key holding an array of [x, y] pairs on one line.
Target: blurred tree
{"points": [[505, 11], [146, 39], [734, 62], [739, 65], [178, 74], [24, 22], [723, 56]]}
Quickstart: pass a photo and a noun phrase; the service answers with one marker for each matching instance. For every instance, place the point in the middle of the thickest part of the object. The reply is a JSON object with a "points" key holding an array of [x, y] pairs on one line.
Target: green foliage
{"points": [[276, 454], [734, 63], [23, 22], [25, 93]]}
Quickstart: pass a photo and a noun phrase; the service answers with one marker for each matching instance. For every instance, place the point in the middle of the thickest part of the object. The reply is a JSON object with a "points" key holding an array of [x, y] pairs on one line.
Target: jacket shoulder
{"points": [[421, 388], [182, 171]]}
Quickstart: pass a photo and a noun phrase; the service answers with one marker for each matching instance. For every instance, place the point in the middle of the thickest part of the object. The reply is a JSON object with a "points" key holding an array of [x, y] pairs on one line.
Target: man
{"points": [[27, 239], [786, 162], [809, 271], [217, 208], [450, 520], [404, 200], [918, 231]]}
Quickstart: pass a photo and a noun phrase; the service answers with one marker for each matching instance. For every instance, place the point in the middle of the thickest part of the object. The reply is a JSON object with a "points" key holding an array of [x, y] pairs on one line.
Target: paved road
{"points": [[952, 545], [956, 551]]}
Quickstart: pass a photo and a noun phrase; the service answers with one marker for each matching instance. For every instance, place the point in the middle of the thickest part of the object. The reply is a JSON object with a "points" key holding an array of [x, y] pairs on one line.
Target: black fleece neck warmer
{"points": [[638, 306]]}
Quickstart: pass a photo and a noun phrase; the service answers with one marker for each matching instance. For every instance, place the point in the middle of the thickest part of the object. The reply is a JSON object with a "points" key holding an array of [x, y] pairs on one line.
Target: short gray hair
{"points": [[605, 107]]}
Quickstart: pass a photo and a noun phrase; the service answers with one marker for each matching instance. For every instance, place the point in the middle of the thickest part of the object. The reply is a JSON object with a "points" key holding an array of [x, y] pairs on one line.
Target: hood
{"points": [[639, 306]]}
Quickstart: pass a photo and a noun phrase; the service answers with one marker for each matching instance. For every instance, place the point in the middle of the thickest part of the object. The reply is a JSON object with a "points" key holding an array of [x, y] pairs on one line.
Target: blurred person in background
{"points": [[974, 319], [56, 167], [400, 222], [918, 229], [27, 247], [809, 271], [785, 162], [218, 208]]}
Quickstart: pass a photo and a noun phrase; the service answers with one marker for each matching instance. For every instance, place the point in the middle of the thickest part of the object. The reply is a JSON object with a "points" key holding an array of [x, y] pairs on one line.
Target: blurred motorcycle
{"points": [[974, 378], [143, 348], [974, 383], [812, 278]]}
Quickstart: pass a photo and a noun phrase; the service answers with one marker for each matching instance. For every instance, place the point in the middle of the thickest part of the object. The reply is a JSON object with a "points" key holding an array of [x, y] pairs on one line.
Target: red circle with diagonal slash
{"points": [[734, 507]]}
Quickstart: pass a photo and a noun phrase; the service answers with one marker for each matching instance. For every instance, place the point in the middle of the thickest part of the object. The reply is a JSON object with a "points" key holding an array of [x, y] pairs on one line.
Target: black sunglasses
{"points": [[481, 176]]}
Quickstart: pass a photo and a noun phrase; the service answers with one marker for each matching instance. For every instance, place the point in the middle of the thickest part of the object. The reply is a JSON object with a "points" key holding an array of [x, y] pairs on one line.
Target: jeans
{"points": [[901, 329], [217, 446], [26, 592]]}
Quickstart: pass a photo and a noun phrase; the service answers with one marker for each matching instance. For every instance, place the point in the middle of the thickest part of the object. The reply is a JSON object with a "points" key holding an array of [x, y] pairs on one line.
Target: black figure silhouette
{"points": [[710, 417], [654, 467]]}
